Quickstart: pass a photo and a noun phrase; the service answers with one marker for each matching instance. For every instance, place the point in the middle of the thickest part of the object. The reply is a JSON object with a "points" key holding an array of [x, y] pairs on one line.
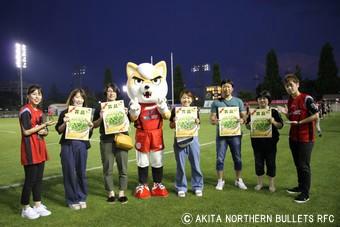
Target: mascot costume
{"points": [[147, 89]]}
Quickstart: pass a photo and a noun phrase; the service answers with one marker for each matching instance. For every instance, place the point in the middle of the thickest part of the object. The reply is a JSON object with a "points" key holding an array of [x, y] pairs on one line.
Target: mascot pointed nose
{"points": [[146, 87]]}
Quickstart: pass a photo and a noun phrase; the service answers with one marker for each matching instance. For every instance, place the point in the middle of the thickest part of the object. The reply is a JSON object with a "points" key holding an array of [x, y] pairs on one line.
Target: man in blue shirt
{"points": [[222, 142]]}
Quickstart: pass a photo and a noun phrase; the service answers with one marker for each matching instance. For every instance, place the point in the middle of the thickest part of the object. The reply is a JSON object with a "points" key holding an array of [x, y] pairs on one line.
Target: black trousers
{"points": [[33, 181], [264, 155], [302, 155]]}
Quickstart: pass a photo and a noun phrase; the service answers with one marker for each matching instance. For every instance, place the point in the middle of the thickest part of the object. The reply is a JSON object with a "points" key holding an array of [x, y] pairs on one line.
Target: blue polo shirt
{"points": [[233, 102]]}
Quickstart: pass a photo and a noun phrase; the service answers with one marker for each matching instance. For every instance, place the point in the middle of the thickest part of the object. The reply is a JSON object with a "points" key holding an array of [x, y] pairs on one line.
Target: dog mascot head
{"points": [[147, 82]]}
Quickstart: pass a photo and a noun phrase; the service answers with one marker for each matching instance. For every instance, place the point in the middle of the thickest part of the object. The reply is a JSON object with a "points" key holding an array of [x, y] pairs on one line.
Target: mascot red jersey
{"points": [[147, 89]]}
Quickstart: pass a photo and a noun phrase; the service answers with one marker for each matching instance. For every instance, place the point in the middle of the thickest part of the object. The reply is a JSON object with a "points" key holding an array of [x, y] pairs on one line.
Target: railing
{"points": [[8, 114]]}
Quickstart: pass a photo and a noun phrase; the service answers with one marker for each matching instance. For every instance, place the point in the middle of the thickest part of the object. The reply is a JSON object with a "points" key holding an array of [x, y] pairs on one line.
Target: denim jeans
{"points": [[222, 143], [192, 152]]}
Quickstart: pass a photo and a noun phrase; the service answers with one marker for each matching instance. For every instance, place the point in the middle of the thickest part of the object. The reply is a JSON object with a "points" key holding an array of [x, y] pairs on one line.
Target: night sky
{"points": [[107, 34]]}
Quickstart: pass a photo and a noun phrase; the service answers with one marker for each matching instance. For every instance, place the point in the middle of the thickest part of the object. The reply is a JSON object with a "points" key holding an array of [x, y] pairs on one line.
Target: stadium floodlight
{"points": [[200, 68], [79, 73], [21, 63], [125, 88]]}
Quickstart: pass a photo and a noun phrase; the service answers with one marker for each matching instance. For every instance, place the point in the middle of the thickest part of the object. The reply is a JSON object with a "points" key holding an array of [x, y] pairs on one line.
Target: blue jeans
{"points": [[222, 143], [73, 160], [191, 151]]}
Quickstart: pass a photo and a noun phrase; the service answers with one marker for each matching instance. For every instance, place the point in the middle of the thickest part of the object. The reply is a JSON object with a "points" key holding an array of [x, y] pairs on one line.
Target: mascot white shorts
{"points": [[145, 158]]}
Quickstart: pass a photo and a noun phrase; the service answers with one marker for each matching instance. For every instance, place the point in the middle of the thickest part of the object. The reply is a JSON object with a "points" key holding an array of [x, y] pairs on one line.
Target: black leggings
{"points": [[33, 180], [302, 153]]}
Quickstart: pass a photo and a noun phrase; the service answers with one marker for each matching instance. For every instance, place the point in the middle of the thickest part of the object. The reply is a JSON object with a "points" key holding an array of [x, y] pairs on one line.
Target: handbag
{"points": [[123, 141], [184, 142]]}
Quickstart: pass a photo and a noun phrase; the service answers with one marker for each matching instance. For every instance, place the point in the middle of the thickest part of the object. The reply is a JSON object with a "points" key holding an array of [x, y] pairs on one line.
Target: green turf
{"points": [[325, 194]]}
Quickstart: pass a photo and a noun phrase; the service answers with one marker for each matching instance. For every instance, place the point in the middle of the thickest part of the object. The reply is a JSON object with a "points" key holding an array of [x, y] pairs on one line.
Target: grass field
{"points": [[205, 211]]}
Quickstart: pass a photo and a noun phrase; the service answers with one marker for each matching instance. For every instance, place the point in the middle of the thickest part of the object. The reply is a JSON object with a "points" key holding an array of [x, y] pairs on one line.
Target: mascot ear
{"points": [[131, 69], [161, 68]]}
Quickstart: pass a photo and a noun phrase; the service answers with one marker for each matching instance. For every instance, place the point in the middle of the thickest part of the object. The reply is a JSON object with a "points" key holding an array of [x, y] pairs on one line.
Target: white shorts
{"points": [[145, 158]]}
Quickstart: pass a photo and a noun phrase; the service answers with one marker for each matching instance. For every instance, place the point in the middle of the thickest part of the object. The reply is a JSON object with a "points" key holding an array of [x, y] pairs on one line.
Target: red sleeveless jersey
{"points": [[149, 134], [149, 118], [297, 111], [33, 147]]}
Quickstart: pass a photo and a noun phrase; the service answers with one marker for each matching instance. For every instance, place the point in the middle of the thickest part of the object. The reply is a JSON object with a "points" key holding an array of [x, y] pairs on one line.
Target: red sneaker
{"points": [[142, 192], [159, 189]]}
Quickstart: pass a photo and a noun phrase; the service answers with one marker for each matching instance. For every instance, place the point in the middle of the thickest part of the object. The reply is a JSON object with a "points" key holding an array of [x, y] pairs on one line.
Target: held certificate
{"points": [[114, 117], [260, 123], [78, 126], [186, 121], [229, 124]]}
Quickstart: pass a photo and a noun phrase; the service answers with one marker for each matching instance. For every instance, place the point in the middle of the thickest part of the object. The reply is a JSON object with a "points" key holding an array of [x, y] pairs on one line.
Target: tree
{"points": [[91, 98], [298, 72], [178, 83], [272, 80], [327, 80], [55, 95], [306, 85], [216, 78], [309, 86], [246, 95], [107, 77]]}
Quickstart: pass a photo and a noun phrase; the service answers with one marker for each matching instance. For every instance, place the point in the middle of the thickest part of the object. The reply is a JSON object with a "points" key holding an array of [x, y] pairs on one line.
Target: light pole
{"points": [[172, 81], [256, 78], [21, 63]]}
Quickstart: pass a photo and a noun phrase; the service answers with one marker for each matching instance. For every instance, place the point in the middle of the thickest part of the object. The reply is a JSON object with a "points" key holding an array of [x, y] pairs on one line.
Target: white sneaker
{"points": [[199, 193], [42, 210], [258, 187], [29, 213], [82, 205], [75, 206], [220, 185], [239, 183], [181, 194]]}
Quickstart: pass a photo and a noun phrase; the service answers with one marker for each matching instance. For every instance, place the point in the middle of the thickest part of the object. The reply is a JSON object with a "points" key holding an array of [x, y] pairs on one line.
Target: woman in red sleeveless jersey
{"points": [[33, 153]]}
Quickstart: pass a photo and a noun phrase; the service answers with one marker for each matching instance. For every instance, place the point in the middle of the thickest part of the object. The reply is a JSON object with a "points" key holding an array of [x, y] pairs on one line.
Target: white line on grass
{"points": [[88, 169], [7, 131]]}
